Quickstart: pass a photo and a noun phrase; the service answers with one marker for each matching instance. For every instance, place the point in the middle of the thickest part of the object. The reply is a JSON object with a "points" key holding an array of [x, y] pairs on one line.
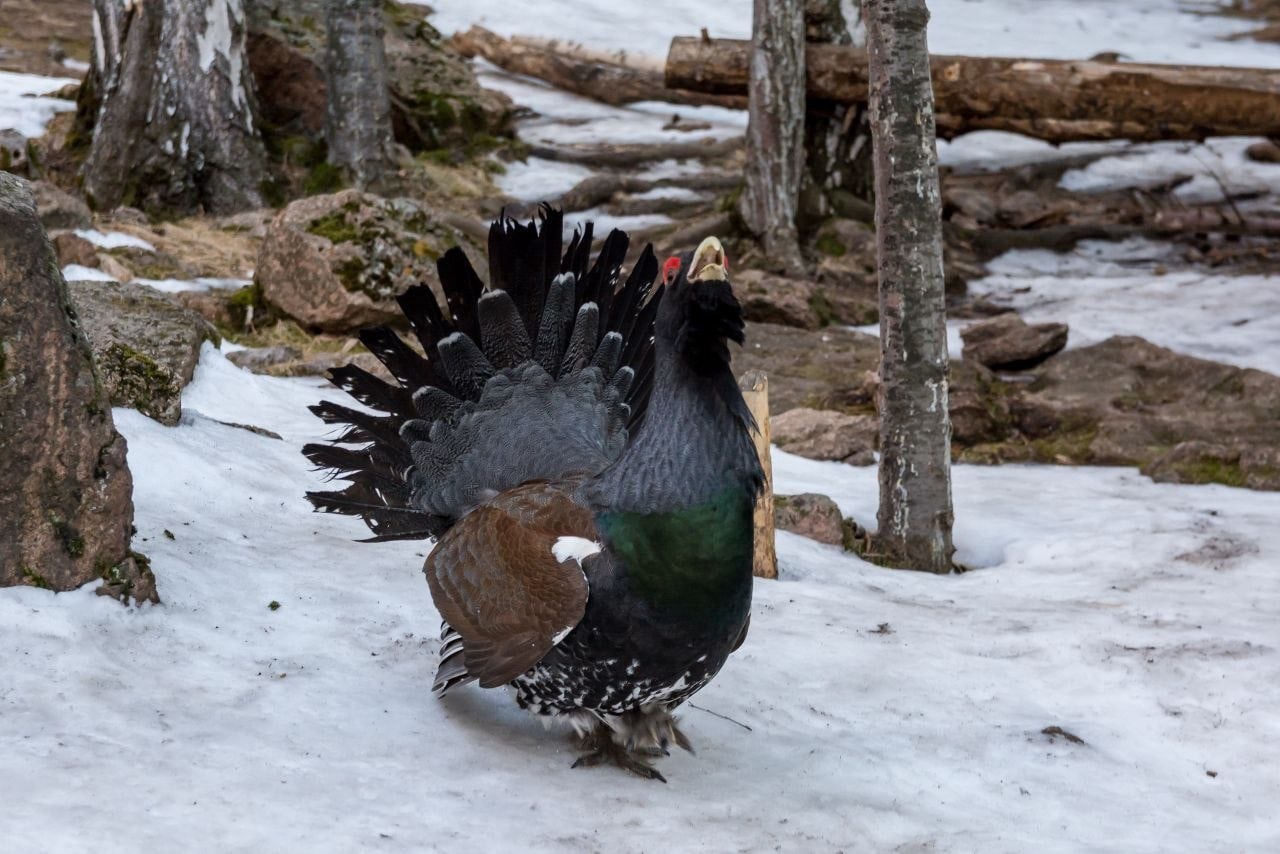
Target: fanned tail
{"points": [[545, 374]]}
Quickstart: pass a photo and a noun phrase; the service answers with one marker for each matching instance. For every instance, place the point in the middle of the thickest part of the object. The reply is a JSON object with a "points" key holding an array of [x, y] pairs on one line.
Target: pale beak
{"points": [[708, 262]]}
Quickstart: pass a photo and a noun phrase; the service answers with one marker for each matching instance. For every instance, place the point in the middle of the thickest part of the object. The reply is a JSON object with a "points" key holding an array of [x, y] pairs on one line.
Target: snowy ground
{"points": [[25, 105], [887, 710], [1139, 617], [1143, 30], [1104, 289]]}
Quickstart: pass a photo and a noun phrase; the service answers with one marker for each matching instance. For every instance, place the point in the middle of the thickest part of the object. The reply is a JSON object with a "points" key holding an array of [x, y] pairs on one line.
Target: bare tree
{"points": [[358, 126], [915, 513], [839, 174], [775, 130], [175, 128]]}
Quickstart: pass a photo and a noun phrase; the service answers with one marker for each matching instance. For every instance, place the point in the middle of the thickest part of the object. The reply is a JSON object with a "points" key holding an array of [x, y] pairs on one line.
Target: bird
{"points": [[578, 447]]}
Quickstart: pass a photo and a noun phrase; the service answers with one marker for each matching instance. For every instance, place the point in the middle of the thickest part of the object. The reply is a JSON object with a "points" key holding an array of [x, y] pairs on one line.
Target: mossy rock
{"points": [[144, 344]]}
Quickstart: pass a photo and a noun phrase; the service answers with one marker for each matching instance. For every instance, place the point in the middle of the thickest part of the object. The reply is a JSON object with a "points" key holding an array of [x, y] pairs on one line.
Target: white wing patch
{"points": [[577, 548]]}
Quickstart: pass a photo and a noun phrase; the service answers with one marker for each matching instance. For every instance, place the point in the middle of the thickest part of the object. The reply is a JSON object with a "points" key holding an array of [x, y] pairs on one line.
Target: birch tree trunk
{"points": [[915, 513], [775, 129], [358, 120], [837, 136], [175, 129]]}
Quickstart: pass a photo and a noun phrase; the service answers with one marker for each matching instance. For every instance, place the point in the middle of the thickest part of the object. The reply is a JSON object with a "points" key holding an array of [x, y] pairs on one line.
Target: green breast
{"points": [[694, 562]]}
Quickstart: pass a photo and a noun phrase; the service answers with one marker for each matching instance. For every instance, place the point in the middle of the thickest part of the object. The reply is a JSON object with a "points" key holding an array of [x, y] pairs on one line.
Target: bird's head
{"points": [[699, 313]]}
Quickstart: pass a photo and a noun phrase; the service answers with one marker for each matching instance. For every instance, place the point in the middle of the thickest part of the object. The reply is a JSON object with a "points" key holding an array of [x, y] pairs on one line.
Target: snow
{"points": [[114, 240], [198, 284], [1140, 617], [25, 105], [79, 273], [1151, 31], [1217, 160], [1104, 289]]}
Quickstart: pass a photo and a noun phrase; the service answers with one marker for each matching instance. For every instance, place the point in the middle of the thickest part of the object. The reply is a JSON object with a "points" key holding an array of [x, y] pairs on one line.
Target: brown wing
{"points": [[495, 580]]}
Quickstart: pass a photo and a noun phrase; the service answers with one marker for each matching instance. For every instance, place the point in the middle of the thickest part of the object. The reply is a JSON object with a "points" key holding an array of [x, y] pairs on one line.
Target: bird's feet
{"points": [[600, 748], [629, 739]]}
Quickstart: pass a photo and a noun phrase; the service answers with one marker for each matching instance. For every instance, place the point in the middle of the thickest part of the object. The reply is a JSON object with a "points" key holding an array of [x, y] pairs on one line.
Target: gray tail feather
{"points": [[544, 374]]}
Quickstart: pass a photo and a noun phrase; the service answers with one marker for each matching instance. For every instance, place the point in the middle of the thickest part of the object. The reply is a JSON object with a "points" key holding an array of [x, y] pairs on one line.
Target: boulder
{"points": [[831, 368], [64, 481], [1008, 343], [809, 515], [768, 298], [13, 152], [336, 263], [1206, 462], [258, 359], [1126, 402], [60, 209], [827, 435], [145, 345], [776, 299], [71, 248], [436, 100]]}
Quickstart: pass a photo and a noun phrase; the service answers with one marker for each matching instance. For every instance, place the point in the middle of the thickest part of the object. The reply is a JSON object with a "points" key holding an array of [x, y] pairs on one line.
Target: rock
{"points": [[768, 298], [60, 209], [214, 305], [827, 435], [1007, 343], [822, 369], [113, 267], [13, 152], [1267, 151], [336, 263], [436, 100], [146, 346], [71, 248], [252, 223], [259, 358], [776, 299], [978, 404], [65, 485], [809, 515], [1255, 467], [1128, 402]]}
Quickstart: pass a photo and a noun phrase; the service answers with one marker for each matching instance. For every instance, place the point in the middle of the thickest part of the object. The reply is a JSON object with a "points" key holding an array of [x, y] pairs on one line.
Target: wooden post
{"points": [[755, 390]]}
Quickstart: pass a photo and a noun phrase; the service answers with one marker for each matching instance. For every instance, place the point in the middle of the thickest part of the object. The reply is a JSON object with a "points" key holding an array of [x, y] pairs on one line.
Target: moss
{"points": [[244, 299], [822, 309], [323, 178], [1071, 445], [122, 583], [35, 579], [350, 273], [71, 539], [335, 227], [828, 244], [1210, 470], [852, 537], [139, 382]]}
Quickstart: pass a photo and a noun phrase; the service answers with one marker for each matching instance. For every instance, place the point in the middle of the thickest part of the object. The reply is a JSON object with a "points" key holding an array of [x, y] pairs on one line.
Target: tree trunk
{"points": [[1053, 100], [915, 429], [837, 136], [775, 130], [175, 130], [358, 121]]}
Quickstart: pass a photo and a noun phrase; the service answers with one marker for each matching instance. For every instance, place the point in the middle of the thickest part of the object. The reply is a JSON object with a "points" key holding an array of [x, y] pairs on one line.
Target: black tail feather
{"points": [[466, 342]]}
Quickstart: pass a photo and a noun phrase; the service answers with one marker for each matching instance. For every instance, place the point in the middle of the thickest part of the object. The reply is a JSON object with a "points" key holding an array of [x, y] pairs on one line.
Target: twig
{"points": [[722, 717]]}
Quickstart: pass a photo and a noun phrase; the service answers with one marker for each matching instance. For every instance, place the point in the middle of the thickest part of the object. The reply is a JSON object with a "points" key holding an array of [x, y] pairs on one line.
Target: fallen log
{"points": [[622, 156], [1054, 100], [611, 79]]}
